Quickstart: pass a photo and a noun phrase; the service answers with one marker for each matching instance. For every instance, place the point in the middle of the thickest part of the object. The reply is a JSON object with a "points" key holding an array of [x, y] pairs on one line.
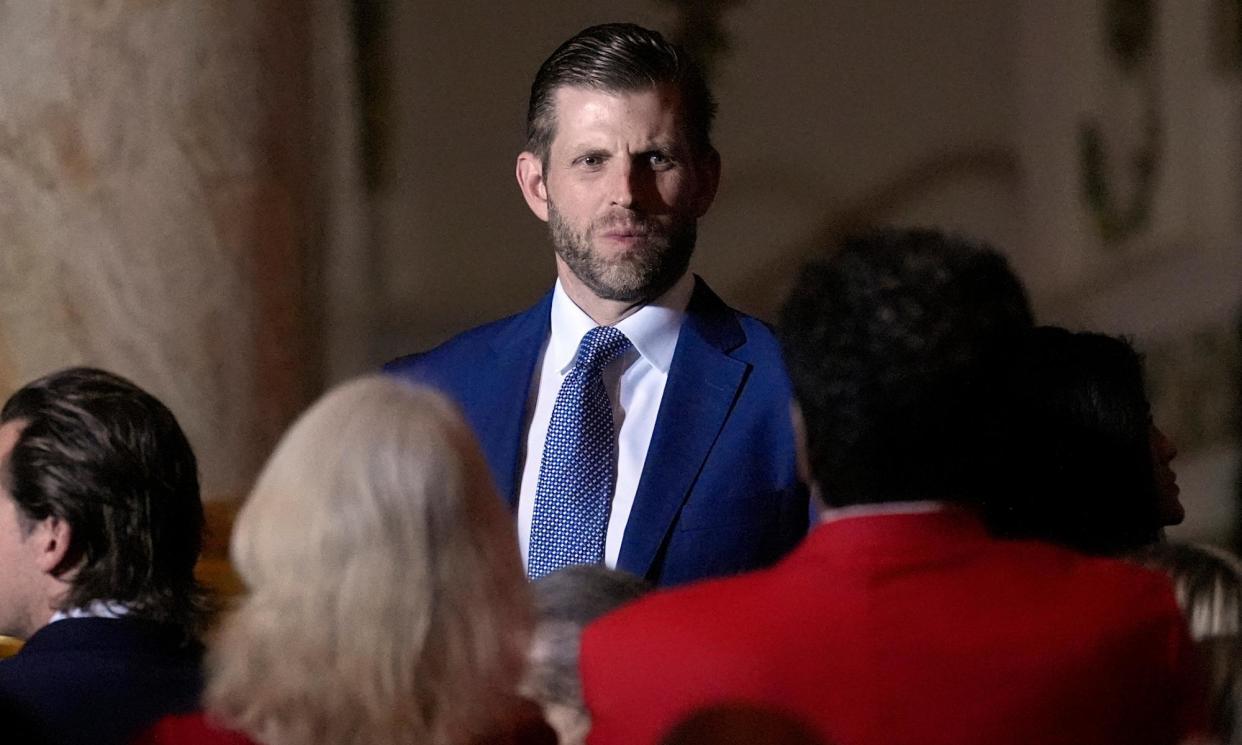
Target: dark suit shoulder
{"points": [[465, 345], [109, 677]]}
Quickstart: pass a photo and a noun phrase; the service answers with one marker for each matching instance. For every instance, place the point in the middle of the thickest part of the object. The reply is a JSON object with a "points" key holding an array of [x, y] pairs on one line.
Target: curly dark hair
{"points": [[616, 58], [888, 342], [109, 459]]}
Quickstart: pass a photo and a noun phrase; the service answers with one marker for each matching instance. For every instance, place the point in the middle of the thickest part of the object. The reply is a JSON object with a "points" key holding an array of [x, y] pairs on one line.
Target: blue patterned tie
{"points": [[578, 471]]}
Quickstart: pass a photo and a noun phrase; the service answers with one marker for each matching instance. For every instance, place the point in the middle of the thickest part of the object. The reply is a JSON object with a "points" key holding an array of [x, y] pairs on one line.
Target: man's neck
{"points": [[603, 312]]}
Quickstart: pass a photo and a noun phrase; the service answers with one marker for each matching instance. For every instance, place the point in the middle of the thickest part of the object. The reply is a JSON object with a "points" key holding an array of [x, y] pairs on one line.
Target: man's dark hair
{"points": [[618, 58], [1072, 444], [888, 343], [110, 460]]}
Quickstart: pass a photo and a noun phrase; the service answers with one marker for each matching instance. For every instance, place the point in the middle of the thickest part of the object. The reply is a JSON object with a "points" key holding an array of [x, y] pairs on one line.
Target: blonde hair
{"points": [[386, 602], [1207, 582]]}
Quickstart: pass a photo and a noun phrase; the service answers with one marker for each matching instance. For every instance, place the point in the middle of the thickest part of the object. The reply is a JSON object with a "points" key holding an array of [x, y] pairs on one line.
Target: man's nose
{"points": [[622, 184]]}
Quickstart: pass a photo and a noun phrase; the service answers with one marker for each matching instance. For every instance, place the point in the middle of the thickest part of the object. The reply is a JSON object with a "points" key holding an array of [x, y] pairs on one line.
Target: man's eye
{"points": [[659, 160], [591, 161]]}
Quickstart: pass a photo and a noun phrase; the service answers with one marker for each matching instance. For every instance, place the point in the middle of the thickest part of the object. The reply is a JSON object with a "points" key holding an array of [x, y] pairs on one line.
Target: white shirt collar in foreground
{"points": [[652, 329], [833, 514], [96, 609]]}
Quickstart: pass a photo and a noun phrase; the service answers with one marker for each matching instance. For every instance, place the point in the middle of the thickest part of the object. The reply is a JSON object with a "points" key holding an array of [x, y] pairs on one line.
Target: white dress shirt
{"points": [[95, 609], [635, 384], [832, 514]]}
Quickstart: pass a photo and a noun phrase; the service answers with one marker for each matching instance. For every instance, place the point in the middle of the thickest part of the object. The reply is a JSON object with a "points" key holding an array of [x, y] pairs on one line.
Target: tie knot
{"points": [[601, 345]]}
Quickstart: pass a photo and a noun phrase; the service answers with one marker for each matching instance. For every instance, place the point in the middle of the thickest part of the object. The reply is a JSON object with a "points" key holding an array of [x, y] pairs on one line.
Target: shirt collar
{"points": [[95, 609], [832, 514], [652, 329]]}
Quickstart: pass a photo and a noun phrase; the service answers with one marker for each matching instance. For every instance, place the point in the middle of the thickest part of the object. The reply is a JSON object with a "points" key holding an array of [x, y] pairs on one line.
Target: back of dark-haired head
{"points": [[1071, 444], [618, 58], [109, 459], [888, 342]]}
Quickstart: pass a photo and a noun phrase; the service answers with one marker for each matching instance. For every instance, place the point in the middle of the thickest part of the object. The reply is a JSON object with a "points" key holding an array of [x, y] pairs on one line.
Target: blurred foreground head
{"points": [[386, 597], [566, 601], [888, 342]]}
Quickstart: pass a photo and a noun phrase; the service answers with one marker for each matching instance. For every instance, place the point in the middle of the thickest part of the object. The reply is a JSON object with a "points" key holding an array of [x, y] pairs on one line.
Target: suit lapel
{"points": [[502, 394], [703, 383]]}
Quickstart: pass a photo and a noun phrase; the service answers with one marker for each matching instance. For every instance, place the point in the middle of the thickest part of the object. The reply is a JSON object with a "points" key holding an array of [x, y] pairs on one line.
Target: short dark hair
{"points": [[1072, 444], [110, 460], [618, 57], [886, 342]]}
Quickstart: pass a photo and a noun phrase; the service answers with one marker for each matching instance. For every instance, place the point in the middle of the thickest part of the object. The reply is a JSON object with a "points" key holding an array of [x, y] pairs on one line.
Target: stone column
{"points": [[156, 214]]}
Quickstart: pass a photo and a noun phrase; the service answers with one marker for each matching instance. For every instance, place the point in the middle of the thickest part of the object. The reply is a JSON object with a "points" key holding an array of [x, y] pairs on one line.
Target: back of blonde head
{"points": [[386, 602]]}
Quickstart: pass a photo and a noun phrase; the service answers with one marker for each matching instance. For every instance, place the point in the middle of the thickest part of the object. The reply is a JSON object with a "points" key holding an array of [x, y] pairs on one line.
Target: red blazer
{"points": [[192, 729], [913, 629]]}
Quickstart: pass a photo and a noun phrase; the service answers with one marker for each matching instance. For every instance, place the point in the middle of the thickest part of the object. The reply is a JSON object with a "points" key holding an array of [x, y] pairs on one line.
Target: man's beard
{"points": [[639, 274]]}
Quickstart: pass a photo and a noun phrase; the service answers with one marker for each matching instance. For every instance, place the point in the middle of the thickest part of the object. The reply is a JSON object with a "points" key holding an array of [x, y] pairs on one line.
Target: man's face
{"points": [[18, 573], [622, 189]]}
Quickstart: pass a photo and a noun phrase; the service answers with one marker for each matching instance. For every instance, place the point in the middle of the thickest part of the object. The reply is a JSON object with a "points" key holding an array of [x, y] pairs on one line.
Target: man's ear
{"points": [[709, 181], [530, 181], [50, 540]]}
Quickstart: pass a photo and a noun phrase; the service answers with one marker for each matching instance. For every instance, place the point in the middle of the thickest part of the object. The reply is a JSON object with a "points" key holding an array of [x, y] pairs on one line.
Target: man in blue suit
{"points": [[630, 417], [100, 528]]}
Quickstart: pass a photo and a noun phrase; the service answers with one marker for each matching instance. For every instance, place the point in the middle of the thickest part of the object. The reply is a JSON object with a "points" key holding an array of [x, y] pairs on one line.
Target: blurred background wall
{"points": [[236, 203]]}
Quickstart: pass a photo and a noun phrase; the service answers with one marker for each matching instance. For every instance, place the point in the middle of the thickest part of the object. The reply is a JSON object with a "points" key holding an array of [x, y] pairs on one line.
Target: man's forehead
{"points": [[668, 95], [582, 110], [10, 431]]}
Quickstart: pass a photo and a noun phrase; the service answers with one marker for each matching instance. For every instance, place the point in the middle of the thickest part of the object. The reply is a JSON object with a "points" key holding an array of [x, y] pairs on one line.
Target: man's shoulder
{"points": [[100, 638], [110, 677], [472, 346], [733, 331], [1064, 566], [663, 617]]}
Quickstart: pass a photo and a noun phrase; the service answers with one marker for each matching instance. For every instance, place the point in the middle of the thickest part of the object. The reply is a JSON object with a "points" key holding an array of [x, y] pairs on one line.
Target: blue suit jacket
{"points": [[101, 680], [719, 491]]}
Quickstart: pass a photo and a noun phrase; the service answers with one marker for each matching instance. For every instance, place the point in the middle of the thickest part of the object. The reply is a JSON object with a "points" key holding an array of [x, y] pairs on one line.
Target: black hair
{"points": [[1072, 444], [109, 459], [887, 344]]}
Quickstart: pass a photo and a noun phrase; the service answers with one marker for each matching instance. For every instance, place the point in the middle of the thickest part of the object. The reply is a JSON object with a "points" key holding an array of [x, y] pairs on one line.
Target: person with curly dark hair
{"points": [[899, 619]]}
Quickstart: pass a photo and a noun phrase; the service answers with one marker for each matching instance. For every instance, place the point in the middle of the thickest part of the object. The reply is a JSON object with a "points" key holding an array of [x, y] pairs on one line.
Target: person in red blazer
{"points": [[899, 620]]}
